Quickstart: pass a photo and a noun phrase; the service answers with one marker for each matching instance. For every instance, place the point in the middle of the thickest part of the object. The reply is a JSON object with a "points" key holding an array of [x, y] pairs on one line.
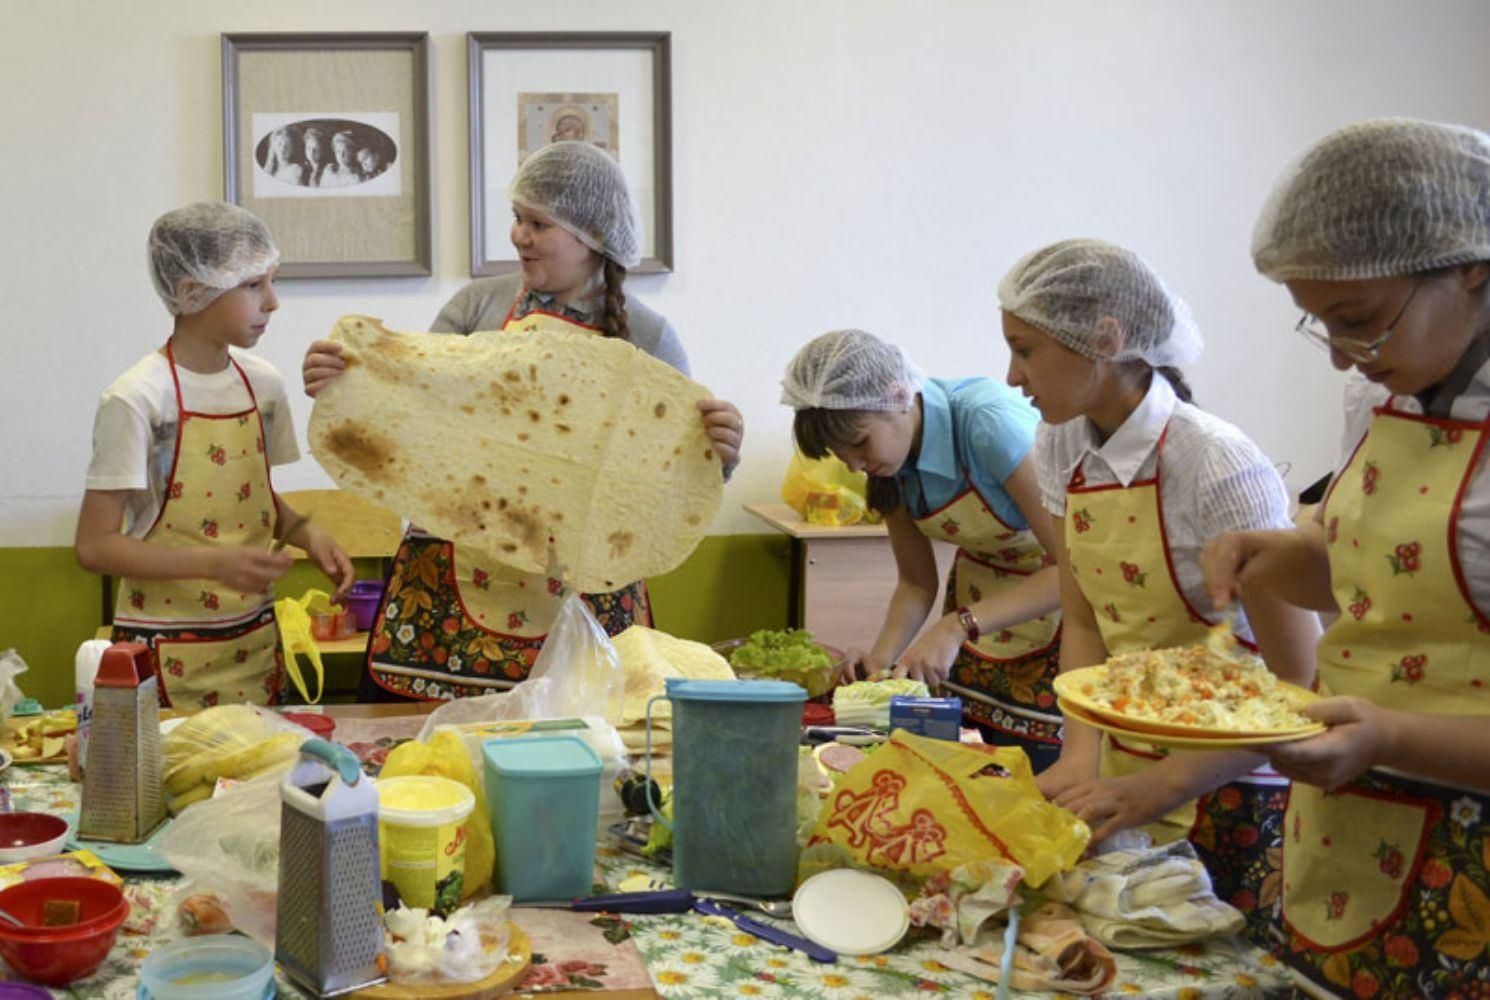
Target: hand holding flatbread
{"points": [[545, 450]]}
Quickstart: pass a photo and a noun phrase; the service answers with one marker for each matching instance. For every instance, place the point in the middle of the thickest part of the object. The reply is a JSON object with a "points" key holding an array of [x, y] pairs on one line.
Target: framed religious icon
{"points": [[326, 138], [528, 89]]}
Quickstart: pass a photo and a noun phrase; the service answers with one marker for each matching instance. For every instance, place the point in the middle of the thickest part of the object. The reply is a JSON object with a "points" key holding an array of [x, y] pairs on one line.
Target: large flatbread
{"points": [[562, 453]]}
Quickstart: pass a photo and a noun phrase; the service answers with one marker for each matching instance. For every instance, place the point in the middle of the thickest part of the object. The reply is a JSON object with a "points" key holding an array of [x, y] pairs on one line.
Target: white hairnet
{"points": [[1379, 198], [1081, 292], [214, 245], [582, 189], [850, 370]]}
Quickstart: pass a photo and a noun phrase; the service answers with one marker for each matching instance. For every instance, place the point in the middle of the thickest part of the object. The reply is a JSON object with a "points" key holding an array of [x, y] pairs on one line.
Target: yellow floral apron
{"points": [[1005, 676], [1119, 554], [455, 622], [1385, 889], [211, 644]]}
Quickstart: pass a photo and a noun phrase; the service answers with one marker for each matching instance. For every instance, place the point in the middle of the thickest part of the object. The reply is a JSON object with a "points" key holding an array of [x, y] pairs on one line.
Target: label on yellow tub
{"points": [[422, 839]]}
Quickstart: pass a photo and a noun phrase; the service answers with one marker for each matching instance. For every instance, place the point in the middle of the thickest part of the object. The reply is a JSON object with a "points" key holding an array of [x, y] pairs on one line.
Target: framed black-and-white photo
{"points": [[528, 89], [326, 138]]}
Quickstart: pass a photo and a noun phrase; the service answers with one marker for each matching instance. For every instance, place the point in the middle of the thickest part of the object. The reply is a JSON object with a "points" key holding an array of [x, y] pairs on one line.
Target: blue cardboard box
{"points": [[936, 718]]}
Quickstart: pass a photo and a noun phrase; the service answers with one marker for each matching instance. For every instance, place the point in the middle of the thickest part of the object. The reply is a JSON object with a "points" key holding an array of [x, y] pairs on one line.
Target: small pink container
{"points": [[362, 602]]}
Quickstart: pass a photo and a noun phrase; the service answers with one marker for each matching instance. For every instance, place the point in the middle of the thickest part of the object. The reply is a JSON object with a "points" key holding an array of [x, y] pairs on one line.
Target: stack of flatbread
{"points": [[649, 658], [569, 454]]}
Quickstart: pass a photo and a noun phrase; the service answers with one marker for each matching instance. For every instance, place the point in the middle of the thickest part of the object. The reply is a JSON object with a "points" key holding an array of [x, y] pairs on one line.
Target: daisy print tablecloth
{"points": [[692, 957]]}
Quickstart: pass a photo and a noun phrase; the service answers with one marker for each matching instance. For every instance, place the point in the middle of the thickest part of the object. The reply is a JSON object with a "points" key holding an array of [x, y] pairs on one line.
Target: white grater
{"points": [[122, 797], [329, 931]]}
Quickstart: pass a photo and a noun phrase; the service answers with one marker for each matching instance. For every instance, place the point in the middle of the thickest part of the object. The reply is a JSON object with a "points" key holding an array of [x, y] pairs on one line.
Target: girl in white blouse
{"points": [[1137, 479]]}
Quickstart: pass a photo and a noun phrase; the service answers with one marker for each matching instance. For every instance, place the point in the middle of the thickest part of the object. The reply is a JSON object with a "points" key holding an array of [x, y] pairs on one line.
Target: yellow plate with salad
{"points": [[1189, 691]]}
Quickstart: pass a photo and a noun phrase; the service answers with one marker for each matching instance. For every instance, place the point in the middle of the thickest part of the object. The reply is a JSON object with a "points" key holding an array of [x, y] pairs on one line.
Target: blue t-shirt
{"points": [[971, 428]]}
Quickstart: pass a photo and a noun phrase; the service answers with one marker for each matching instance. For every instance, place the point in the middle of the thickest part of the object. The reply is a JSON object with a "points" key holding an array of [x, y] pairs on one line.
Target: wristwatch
{"points": [[969, 624]]}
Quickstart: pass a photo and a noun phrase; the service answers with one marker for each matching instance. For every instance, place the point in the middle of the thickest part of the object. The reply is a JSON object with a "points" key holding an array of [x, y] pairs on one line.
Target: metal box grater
{"points": [[122, 796], [329, 928]]}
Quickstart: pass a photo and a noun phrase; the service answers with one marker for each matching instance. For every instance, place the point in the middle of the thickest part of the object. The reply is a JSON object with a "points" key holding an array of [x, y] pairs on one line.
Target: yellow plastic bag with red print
{"points": [[920, 806], [824, 491]]}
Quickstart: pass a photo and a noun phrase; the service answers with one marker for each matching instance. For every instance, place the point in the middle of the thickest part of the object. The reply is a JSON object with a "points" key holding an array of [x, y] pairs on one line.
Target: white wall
{"points": [[836, 163]]}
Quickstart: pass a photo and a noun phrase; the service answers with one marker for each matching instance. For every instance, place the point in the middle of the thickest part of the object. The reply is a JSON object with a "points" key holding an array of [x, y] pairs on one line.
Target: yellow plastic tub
{"points": [[421, 836]]}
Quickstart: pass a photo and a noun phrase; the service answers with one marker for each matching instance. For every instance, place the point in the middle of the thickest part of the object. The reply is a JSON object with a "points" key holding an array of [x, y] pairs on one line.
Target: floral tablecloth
{"points": [[691, 956], [687, 955]]}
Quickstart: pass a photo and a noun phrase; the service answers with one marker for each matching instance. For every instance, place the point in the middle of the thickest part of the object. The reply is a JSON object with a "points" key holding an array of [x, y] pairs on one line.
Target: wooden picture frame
{"points": [[326, 138], [531, 88]]}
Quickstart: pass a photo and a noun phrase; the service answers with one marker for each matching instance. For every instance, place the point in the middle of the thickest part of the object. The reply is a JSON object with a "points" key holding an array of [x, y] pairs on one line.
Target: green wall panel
{"points": [[48, 604], [730, 586]]}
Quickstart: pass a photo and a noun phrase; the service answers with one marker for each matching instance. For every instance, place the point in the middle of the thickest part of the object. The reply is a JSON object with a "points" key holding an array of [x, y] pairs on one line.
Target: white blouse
{"points": [[1212, 478]]}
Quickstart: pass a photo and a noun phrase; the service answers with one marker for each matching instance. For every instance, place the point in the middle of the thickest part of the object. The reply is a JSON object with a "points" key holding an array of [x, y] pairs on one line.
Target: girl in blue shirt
{"points": [[947, 459]]}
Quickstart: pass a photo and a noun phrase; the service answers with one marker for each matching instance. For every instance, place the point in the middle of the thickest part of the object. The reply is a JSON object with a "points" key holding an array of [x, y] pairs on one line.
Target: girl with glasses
{"points": [[1382, 231]]}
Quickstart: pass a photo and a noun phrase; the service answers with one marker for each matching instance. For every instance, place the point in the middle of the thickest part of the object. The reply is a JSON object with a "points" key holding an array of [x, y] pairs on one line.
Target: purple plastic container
{"points": [[23, 991], [362, 601]]}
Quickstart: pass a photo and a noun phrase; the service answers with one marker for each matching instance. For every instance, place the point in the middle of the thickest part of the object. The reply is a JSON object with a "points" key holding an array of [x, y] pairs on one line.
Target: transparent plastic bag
{"points": [[229, 846], [229, 741], [11, 667], [577, 674]]}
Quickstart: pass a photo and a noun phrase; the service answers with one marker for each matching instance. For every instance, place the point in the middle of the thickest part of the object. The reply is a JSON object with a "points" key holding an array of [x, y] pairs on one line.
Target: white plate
{"points": [[166, 725], [851, 912]]}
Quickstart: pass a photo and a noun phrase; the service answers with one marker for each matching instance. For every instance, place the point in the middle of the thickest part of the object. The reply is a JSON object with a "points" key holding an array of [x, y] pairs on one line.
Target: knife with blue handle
{"points": [[766, 932], [660, 901]]}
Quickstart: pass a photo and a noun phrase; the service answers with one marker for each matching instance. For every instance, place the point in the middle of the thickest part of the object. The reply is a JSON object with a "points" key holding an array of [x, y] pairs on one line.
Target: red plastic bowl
{"points": [[321, 725], [57, 956]]}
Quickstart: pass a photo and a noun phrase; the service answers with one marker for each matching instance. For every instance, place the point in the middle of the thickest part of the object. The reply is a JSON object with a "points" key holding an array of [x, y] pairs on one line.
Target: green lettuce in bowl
{"points": [[783, 655]]}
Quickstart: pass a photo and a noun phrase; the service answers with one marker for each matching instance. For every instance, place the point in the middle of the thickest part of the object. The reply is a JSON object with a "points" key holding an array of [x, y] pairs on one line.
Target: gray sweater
{"points": [[485, 302]]}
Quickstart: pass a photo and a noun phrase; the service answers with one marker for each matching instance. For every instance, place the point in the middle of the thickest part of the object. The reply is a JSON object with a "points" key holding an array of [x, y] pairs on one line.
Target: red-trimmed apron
{"points": [[455, 622], [1119, 554], [211, 645], [1004, 678], [1386, 882]]}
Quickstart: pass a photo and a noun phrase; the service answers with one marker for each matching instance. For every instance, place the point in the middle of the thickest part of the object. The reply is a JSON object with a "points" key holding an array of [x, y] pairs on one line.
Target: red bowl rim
{"points": [[34, 932], [108, 923]]}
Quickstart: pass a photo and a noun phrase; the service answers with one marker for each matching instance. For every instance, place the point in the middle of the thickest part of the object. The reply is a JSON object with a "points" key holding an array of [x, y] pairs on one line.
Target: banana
{"points": [[191, 771], [176, 803], [256, 758]]}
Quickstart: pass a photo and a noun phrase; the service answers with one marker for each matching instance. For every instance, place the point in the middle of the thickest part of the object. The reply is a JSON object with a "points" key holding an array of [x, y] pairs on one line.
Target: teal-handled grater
{"points": [[329, 928]]}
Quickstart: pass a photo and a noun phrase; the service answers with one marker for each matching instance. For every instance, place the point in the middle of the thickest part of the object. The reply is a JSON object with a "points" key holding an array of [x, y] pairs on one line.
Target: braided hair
{"points": [[613, 304]]}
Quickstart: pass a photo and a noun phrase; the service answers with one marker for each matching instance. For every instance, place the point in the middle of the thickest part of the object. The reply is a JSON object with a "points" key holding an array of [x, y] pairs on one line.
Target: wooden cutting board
{"points": [[500, 983]]}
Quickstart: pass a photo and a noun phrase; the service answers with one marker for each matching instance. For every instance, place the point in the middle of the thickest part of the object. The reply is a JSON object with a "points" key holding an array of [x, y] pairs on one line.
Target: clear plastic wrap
{"points": [[11, 667], [228, 847], [577, 674], [228, 741]]}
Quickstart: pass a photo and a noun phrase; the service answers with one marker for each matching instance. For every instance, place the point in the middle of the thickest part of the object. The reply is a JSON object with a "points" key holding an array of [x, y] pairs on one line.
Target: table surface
{"points": [[686, 955], [783, 518]]}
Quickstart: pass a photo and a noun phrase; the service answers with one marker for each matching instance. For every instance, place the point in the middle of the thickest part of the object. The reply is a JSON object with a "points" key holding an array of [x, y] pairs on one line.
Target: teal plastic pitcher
{"points": [[734, 784]]}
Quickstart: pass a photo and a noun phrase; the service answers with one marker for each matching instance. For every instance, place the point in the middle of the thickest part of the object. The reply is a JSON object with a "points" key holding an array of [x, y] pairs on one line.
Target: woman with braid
{"points": [[575, 228]]}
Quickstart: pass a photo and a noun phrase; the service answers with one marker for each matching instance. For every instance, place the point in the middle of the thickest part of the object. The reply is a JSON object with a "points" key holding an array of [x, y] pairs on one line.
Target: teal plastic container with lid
{"points": [[734, 784], [543, 793]]}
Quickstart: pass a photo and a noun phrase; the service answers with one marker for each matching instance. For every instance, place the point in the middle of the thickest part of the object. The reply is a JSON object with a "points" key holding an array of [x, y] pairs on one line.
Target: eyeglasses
{"points": [[1313, 328]]}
